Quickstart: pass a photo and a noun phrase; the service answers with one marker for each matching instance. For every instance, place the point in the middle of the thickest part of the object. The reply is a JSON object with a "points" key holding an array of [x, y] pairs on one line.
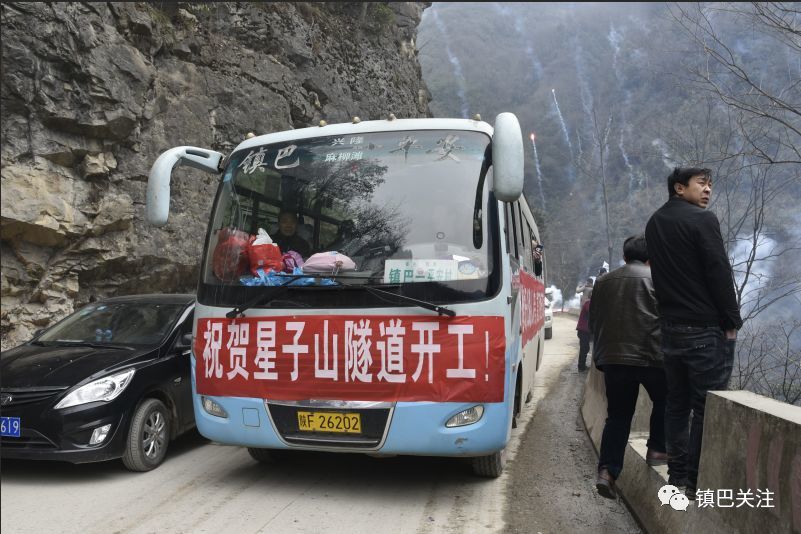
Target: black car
{"points": [[111, 380]]}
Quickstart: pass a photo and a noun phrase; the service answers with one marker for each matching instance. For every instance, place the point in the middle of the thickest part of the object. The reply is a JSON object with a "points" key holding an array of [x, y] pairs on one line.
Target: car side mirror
{"points": [[184, 343]]}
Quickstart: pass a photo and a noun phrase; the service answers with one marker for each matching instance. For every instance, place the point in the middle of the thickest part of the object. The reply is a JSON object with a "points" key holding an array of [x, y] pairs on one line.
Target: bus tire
{"points": [[270, 456], [263, 456], [548, 333], [490, 466]]}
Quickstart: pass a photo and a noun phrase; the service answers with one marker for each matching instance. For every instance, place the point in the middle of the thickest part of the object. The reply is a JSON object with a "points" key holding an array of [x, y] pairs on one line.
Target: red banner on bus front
{"points": [[380, 358]]}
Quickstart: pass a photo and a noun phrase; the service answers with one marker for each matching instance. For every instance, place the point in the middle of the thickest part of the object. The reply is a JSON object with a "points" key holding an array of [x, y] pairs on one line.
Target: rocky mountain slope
{"points": [[93, 92]]}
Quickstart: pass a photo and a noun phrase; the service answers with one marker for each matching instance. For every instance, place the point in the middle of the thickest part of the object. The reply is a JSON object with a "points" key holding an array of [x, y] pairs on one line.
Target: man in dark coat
{"points": [[699, 310], [626, 347]]}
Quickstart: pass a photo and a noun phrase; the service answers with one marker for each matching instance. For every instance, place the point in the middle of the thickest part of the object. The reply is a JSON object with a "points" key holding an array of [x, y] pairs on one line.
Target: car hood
{"points": [[62, 366]]}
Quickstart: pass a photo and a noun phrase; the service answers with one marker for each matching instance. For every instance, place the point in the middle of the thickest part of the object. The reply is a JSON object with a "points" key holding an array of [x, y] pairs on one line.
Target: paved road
{"points": [[203, 487]]}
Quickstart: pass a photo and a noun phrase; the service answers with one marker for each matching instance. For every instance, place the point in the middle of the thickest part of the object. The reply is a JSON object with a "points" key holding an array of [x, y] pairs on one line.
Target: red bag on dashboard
{"points": [[230, 258], [264, 254]]}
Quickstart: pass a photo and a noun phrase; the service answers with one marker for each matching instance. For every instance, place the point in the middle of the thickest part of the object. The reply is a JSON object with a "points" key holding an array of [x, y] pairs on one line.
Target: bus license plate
{"points": [[347, 423], [9, 427]]}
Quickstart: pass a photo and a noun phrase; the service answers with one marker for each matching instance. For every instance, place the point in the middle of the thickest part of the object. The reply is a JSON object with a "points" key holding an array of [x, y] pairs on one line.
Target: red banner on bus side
{"points": [[532, 305], [381, 358]]}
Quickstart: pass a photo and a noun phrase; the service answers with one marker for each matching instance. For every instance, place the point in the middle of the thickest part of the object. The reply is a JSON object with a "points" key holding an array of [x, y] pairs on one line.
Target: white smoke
{"points": [[761, 267], [457, 66], [667, 158], [573, 302], [518, 23], [539, 171], [556, 296]]}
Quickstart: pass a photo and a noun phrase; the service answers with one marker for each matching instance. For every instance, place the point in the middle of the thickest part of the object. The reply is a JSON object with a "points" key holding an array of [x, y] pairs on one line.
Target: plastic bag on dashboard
{"points": [[264, 254], [273, 279], [328, 262], [230, 257], [292, 260]]}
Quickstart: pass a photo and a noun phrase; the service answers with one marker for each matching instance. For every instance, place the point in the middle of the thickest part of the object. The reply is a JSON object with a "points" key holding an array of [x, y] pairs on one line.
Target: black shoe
{"points": [[582, 368], [690, 493], [605, 484], [655, 458]]}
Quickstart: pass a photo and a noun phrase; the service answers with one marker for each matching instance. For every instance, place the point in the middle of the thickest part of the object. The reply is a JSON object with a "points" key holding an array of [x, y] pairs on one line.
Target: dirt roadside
{"points": [[552, 487]]}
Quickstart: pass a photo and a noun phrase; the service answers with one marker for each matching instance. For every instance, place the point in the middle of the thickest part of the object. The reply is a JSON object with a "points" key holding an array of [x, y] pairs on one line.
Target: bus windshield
{"points": [[410, 208]]}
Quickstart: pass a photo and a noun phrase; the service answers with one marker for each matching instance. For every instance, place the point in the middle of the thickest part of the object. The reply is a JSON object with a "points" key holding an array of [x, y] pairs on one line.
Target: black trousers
{"points": [[584, 348], [622, 389], [697, 360]]}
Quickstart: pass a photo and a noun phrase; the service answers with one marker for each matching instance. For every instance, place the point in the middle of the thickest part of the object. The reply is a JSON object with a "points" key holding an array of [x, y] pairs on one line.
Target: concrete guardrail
{"points": [[750, 470]]}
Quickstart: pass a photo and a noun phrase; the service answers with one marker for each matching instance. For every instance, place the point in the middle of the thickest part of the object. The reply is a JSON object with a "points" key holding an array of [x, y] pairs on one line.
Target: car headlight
{"points": [[102, 389]]}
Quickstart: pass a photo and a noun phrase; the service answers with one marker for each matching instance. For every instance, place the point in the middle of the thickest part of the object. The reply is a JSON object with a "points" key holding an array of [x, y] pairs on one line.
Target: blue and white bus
{"points": [[423, 336]]}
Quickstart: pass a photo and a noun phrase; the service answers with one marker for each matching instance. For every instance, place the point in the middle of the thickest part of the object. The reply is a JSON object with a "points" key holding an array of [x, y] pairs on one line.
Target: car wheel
{"points": [[148, 437], [490, 466], [548, 333]]}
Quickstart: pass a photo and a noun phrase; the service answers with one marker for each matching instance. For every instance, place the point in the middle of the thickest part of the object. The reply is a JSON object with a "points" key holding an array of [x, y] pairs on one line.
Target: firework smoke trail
{"points": [[457, 66], [536, 66], [571, 170], [562, 122], [614, 37], [584, 89], [627, 162], [539, 171]]}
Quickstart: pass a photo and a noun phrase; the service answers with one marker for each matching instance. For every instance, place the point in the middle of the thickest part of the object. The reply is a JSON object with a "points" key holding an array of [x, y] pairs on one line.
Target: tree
{"points": [[748, 129], [770, 106]]}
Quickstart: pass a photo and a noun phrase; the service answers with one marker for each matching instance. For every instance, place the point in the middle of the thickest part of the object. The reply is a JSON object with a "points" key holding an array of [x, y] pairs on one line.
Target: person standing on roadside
{"points": [[585, 290], [626, 347], [699, 310], [583, 333]]}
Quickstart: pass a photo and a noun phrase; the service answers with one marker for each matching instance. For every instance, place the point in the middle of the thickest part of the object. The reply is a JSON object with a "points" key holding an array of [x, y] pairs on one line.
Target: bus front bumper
{"points": [[413, 428]]}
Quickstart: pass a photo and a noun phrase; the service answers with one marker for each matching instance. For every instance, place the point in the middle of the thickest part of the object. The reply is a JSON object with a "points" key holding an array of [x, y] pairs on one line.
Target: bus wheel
{"points": [[269, 456], [263, 456], [490, 466]]}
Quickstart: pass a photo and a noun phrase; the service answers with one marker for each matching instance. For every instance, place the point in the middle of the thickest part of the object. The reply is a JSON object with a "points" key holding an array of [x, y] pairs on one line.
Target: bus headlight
{"points": [[466, 417], [213, 408]]}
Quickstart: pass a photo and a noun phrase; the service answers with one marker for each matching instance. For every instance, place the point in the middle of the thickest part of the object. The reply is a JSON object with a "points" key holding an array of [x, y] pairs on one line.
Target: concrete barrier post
{"points": [[750, 470]]}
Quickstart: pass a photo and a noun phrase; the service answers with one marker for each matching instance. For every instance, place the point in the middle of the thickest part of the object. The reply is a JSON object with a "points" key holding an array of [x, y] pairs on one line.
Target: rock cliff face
{"points": [[93, 92]]}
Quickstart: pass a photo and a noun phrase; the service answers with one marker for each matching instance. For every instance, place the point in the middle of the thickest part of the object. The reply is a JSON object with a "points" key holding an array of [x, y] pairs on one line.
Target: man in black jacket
{"points": [[625, 328], [699, 310]]}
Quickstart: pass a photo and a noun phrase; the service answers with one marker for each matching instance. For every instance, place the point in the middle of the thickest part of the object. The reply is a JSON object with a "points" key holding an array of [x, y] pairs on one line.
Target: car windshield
{"points": [[118, 323], [408, 208]]}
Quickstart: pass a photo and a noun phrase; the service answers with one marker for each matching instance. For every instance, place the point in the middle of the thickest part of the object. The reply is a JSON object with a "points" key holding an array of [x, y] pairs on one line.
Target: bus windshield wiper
{"points": [[264, 299], [441, 310]]}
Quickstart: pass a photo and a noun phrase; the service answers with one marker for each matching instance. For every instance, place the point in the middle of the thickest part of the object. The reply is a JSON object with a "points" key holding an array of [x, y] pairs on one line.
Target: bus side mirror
{"points": [[158, 183], [507, 158]]}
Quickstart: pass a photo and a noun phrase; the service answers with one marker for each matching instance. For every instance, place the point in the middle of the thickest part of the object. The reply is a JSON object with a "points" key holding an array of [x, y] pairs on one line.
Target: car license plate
{"points": [[347, 423], [10, 426]]}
